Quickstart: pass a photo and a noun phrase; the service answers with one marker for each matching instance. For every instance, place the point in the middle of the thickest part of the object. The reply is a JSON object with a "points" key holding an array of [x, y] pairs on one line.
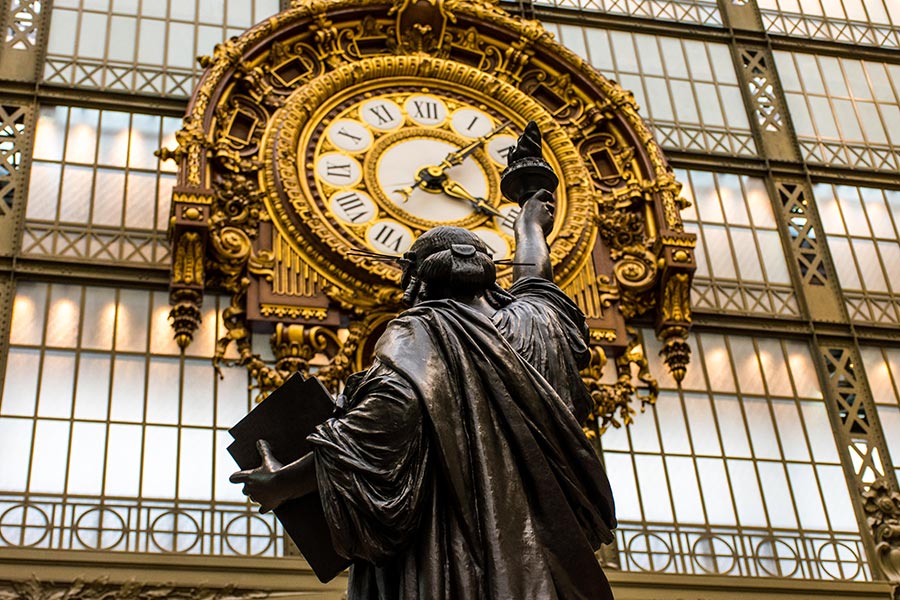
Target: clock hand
{"points": [[456, 158], [431, 176], [455, 190]]}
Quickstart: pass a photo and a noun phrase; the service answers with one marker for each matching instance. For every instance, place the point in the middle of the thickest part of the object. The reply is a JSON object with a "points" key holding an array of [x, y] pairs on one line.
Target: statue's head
{"points": [[447, 262]]}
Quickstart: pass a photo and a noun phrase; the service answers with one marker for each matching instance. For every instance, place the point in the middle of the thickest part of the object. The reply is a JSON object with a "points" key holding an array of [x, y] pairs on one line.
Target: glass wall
{"points": [[736, 471], [97, 191], [143, 46], [114, 440]]}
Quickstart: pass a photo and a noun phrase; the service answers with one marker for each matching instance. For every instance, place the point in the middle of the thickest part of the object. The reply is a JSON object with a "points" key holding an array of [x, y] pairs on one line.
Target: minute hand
{"points": [[457, 157], [454, 190]]}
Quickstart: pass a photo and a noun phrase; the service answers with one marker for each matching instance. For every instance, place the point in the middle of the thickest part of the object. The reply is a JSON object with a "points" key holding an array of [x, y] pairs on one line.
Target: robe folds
{"points": [[459, 470]]}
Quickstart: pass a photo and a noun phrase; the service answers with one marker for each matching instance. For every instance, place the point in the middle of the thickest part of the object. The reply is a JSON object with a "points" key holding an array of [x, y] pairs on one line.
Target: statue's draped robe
{"points": [[459, 470]]}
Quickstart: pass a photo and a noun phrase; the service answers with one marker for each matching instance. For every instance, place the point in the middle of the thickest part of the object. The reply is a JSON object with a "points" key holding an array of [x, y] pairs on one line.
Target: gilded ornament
{"points": [[881, 503], [264, 93], [612, 402]]}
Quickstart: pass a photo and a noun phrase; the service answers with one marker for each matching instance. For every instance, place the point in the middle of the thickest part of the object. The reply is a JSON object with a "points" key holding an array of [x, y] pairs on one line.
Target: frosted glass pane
{"points": [[644, 436], [57, 385], [758, 202], [152, 32], [890, 256], [15, 448], [718, 247], [661, 108], [698, 61], [777, 494], [128, 389], [99, 318], [204, 343], [672, 427], [685, 490], [63, 27], [28, 313], [869, 265], [732, 197], [81, 143], [196, 464], [109, 198], [122, 33], [20, 384], [710, 107], [161, 334], [879, 375], [749, 267], [746, 495], [163, 390], [852, 211], [92, 390], [91, 42], [113, 149], [829, 210], [890, 423], [123, 460], [807, 496], [132, 320], [232, 402], [718, 366], [731, 426], [181, 45], [43, 192], [837, 498], [86, 460], [790, 430], [844, 263], [704, 430], [211, 11], [615, 438], [820, 432], [773, 257], [75, 197], [140, 213], [774, 368], [878, 213], [164, 196], [225, 466], [685, 108], [160, 462], [48, 466], [63, 316], [198, 399], [654, 491], [746, 363], [50, 131], [621, 476], [144, 140], [239, 13], [716, 491], [762, 432]]}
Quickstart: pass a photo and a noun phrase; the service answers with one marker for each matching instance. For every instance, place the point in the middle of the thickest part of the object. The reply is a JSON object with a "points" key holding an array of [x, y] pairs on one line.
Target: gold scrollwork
{"points": [[293, 311]]}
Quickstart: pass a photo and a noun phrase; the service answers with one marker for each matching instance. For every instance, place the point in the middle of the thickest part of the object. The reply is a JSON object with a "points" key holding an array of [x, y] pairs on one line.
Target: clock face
{"points": [[385, 167]]}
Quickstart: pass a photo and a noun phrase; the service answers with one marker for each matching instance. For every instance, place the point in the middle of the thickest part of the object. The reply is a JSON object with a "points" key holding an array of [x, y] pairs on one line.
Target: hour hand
{"points": [[455, 190]]}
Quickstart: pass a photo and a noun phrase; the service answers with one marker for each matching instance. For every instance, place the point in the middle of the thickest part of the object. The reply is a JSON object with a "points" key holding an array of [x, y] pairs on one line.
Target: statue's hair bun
{"points": [[459, 272]]}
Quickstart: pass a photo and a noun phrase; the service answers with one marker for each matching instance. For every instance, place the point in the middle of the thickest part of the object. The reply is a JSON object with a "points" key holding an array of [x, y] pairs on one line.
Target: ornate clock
{"points": [[337, 130]]}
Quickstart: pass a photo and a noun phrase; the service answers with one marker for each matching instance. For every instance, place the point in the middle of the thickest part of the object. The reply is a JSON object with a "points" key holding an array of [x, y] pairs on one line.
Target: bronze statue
{"points": [[459, 468]]}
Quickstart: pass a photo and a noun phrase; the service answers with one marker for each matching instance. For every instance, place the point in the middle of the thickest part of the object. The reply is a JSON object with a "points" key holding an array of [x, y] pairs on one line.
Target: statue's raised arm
{"points": [[529, 180]]}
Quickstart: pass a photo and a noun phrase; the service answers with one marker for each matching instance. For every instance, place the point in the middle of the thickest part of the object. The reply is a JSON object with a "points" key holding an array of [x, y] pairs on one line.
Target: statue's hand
{"points": [[263, 484], [538, 210]]}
